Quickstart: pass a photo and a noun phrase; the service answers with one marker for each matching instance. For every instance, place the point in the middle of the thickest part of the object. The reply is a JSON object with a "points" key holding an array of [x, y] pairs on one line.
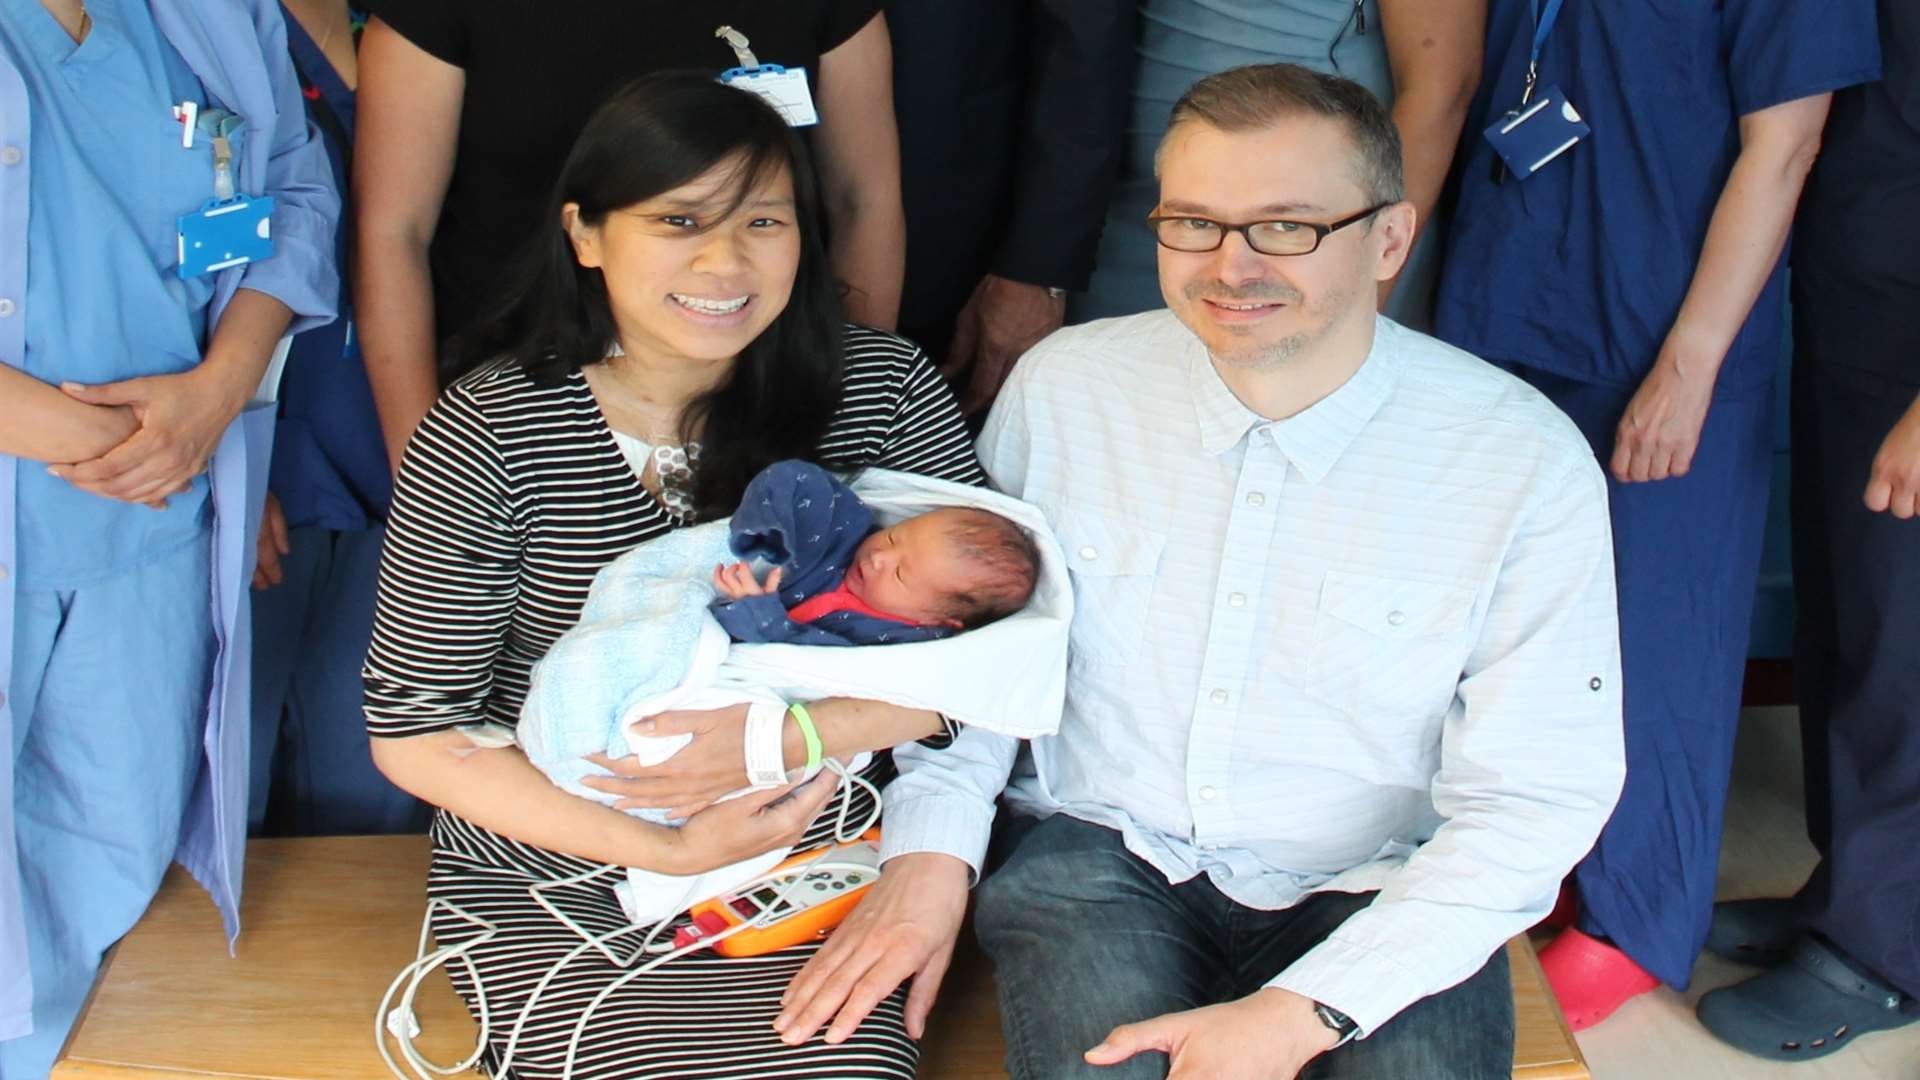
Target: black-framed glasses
{"points": [[1184, 232]]}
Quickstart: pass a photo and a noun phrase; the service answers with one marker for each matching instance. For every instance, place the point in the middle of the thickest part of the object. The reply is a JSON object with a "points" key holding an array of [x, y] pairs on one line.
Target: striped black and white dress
{"points": [[511, 497]]}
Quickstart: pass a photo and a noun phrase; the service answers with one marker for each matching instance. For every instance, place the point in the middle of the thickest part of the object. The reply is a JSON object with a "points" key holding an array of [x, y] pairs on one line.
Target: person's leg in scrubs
{"points": [[313, 771], [110, 688], [1687, 555]]}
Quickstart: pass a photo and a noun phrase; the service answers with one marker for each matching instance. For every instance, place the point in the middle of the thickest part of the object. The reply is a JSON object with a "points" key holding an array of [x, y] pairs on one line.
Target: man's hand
{"points": [[744, 827], [1002, 320], [1660, 431], [904, 928], [272, 544], [1894, 484], [737, 582], [710, 766], [1268, 1035], [181, 420]]}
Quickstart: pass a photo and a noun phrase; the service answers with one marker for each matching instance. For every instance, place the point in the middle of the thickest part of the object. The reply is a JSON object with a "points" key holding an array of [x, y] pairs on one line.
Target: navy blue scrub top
{"points": [[1581, 268], [330, 465]]}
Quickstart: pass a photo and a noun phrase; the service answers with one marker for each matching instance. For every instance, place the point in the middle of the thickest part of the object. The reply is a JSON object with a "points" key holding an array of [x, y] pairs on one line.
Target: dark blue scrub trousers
{"points": [[1856, 578], [312, 767], [1686, 557]]}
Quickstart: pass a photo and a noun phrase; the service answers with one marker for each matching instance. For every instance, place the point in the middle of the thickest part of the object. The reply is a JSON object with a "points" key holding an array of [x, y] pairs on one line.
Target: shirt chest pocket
{"points": [[1113, 568], [1388, 648]]}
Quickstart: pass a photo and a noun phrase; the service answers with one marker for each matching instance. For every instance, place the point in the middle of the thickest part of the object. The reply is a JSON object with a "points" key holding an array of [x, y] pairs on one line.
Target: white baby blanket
{"points": [[645, 643]]}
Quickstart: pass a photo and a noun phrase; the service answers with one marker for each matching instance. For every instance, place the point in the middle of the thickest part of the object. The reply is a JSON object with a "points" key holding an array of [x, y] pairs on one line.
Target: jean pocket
{"points": [[1113, 568], [1388, 648]]}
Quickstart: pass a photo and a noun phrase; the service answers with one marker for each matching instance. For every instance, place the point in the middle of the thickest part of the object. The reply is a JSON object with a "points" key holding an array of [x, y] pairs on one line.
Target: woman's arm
{"points": [[409, 125], [499, 790], [714, 763], [859, 161], [1660, 431], [1434, 51], [37, 421]]}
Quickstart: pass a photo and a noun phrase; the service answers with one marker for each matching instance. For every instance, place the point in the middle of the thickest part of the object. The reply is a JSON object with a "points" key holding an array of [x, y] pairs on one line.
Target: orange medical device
{"points": [[786, 913]]}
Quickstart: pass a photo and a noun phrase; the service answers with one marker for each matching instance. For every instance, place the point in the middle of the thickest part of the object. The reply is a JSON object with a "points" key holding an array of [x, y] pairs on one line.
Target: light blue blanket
{"points": [[637, 639]]}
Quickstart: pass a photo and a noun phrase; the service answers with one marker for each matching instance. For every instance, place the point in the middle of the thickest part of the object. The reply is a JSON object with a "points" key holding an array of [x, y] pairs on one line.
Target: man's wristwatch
{"points": [[1338, 1022]]}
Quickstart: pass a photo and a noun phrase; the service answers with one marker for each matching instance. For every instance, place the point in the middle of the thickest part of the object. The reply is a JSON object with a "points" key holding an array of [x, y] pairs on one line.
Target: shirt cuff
{"points": [[946, 824], [1369, 986]]}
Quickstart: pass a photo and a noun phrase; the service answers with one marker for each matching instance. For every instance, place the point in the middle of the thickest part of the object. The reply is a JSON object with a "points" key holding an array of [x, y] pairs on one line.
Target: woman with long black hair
{"points": [[676, 331]]}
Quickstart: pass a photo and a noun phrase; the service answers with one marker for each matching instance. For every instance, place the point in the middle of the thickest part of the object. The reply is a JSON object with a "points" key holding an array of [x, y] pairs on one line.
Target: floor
{"points": [[1765, 853]]}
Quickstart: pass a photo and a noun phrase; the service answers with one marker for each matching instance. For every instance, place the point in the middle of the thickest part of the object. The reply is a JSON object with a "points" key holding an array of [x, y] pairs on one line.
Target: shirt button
{"points": [[1207, 794], [1395, 618], [1255, 498], [6, 307], [1218, 697], [1089, 553], [11, 156], [1237, 600]]}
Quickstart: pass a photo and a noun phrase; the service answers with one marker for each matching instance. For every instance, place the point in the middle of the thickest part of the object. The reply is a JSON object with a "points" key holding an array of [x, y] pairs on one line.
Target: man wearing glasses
{"points": [[1344, 702]]}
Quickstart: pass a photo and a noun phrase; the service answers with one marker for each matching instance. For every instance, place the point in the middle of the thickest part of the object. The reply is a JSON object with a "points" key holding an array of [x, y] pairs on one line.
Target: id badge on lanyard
{"points": [[1540, 128], [783, 88], [229, 229]]}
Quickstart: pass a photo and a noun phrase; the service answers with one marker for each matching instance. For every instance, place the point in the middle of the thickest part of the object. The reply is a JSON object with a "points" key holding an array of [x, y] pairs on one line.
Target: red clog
{"points": [[1565, 909], [1591, 978]]}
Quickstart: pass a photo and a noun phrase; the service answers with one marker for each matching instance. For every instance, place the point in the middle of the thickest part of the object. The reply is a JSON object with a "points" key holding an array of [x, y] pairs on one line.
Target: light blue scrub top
{"points": [[69, 250], [107, 182]]}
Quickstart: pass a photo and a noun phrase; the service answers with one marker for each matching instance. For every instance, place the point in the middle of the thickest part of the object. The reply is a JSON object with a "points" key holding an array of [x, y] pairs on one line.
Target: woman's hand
{"points": [[1660, 431], [710, 766], [749, 825]]}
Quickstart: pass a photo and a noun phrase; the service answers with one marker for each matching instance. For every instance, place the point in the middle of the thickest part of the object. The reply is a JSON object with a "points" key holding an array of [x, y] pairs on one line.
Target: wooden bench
{"points": [[330, 921]]}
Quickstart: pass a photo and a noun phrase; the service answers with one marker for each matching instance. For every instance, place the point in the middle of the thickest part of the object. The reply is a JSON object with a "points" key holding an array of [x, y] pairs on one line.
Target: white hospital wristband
{"points": [[765, 744]]}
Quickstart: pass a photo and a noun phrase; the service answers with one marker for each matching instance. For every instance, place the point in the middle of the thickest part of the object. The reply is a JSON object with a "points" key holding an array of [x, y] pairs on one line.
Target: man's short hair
{"points": [[1261, 95]]}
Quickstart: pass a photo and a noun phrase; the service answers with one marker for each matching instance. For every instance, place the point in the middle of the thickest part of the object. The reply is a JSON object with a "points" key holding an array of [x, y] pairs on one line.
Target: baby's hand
{"points": [[736, 582]]}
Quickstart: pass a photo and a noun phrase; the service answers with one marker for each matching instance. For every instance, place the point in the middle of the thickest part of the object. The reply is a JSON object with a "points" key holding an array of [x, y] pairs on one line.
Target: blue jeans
{"points": [[1085, 936]]}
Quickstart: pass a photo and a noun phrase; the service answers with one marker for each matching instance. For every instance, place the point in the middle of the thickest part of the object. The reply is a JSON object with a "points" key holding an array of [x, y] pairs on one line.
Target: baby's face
{"points": [[912, 569]]}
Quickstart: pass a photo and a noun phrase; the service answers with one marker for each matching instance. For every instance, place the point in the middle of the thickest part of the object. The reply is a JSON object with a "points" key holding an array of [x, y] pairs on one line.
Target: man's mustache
{"points": [[1258, 292]]}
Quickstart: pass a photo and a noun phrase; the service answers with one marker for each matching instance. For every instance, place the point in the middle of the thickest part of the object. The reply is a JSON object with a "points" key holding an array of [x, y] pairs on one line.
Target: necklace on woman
{"points": [[667, 466]]}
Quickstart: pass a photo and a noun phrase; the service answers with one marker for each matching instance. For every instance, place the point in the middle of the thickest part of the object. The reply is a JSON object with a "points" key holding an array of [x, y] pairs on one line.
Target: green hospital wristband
{"points": [[804, 720]]}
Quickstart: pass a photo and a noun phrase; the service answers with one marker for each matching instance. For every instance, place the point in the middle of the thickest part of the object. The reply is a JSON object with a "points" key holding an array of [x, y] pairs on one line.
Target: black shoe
{"points": [[1757, 932], [1807, 1007]]}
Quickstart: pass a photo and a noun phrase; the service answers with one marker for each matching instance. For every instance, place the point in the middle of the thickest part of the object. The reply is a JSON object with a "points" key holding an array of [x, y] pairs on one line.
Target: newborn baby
{"points": [[839, 580]]}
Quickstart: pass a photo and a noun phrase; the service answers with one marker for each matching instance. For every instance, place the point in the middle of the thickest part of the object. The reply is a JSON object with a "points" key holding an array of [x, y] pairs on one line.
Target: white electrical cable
{"points": [[399, 1020]]}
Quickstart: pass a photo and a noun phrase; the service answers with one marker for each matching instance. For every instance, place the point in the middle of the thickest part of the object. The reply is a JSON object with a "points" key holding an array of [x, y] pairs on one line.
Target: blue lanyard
{"points": [[1542, 26]]}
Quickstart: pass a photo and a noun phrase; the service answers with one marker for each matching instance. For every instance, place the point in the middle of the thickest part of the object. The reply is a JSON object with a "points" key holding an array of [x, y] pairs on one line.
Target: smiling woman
{"points": [[688, 281], [674, 330]]}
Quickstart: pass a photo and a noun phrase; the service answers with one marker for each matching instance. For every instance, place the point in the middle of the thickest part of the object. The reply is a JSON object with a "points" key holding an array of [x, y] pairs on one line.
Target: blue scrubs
{"points": [[1573, 278], [117, 623], [312, 770]]}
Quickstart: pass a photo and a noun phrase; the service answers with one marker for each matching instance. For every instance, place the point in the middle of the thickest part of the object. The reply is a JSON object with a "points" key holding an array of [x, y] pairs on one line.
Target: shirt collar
{"points": [[1313, 439]]}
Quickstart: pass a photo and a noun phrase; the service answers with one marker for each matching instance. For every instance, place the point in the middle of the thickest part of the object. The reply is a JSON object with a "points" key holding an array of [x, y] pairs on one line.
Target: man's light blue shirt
{"points": [[1372, 646]]}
